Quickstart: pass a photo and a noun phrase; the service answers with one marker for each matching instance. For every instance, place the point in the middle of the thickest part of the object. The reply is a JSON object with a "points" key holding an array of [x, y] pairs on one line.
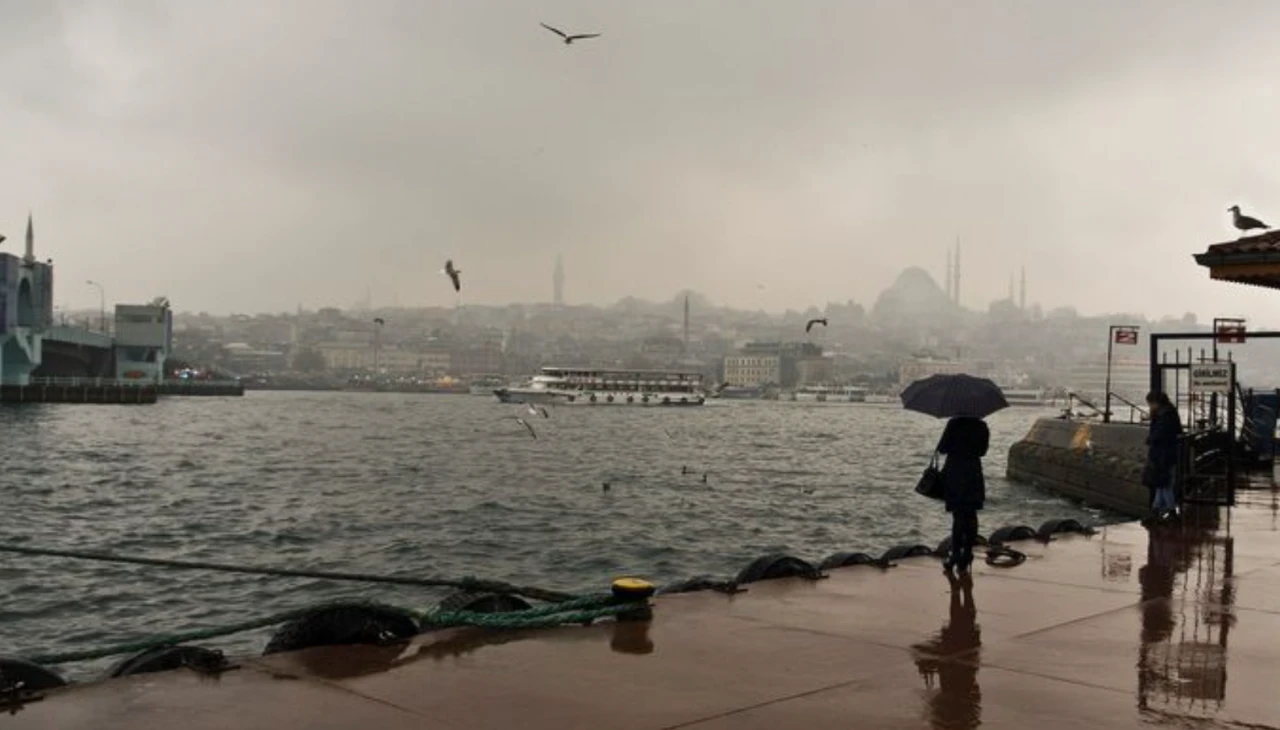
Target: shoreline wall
{"points": [[1097, 463]]}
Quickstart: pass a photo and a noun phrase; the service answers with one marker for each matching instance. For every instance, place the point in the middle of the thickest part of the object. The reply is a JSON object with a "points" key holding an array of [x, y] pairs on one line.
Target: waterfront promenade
{"points": [[1177, 627]]}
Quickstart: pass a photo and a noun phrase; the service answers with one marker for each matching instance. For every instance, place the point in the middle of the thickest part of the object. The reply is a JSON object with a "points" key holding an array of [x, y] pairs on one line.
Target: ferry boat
{"points": [[830, 394], [1026, 397], [602, 386]]}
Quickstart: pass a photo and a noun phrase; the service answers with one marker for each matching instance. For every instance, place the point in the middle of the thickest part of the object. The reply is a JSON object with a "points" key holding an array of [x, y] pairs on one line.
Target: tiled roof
{"points": [[1268, 242]]}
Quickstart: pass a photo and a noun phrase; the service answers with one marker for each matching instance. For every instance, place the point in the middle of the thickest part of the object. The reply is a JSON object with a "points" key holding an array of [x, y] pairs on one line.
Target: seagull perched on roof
{"points": [[453, 274], [569, 38], [1245, 223], [821, 320]]}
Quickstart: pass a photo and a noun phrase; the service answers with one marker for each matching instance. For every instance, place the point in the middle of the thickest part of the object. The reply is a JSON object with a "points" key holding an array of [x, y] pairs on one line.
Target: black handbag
{"points": [[930, 484]]}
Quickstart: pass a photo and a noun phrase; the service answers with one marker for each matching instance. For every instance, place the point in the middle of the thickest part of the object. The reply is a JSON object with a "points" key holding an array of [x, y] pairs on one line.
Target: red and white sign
{"points": [[1229, 334], [1126, 336]]}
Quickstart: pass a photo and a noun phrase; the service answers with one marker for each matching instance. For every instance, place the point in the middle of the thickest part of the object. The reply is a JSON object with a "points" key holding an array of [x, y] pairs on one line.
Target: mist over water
{"points": [[441, 485]]}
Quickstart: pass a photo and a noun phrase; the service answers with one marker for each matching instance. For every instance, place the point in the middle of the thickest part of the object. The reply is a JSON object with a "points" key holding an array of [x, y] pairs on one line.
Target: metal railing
{"points": [[1137, 413], [90, 382]]}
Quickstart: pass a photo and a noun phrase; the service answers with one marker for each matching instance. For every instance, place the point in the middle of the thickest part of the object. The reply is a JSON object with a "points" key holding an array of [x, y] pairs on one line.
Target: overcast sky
{"points": [[248, 155]]}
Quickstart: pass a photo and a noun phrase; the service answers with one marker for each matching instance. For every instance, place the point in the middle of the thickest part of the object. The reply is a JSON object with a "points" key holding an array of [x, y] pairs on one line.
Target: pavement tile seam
{"points": [[1046, 678], [321, 682]]}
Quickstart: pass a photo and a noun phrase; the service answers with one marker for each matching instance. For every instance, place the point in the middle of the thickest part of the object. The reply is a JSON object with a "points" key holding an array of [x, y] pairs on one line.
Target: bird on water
{"points": [[821, 320], [568, 39], [453, 274], [1244, 223], [529, 428]]}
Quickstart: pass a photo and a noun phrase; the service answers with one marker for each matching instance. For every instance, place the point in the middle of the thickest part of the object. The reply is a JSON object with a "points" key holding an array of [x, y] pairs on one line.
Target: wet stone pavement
{"points": [[1174, 626]]}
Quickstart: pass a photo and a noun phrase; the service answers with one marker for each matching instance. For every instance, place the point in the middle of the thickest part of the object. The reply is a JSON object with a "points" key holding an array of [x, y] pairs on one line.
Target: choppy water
{"points": [[440, 485]]}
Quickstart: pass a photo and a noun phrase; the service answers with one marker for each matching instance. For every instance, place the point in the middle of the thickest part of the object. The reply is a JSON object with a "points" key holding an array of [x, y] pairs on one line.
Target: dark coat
{"points": [[964, 443], [1162, 446]]}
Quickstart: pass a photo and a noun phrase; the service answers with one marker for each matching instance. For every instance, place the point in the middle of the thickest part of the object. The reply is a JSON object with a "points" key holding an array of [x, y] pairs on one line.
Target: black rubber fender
{"points": [[776, 565], [944, 547], [340, 625], [898, 552], [165, 658], [483, 602], [1055, 527], [999, 556], [699, 583], [845, 560], [1009, 533], [27, 676]]}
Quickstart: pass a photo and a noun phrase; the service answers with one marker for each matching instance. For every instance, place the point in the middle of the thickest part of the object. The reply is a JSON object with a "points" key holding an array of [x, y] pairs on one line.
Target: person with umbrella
{"points": [[1160, 471], [964, 400]]}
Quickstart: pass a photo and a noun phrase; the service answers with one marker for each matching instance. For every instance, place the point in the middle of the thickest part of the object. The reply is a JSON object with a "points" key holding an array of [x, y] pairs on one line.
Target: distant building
{"points": [[775, 363], [485, 359], [243, 358], [754, 369], [144, 339], [913, 370], [814, 370]]}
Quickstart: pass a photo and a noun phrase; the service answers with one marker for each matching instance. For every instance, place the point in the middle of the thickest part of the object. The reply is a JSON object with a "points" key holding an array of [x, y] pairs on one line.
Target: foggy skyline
{"points": [[254, 156]]}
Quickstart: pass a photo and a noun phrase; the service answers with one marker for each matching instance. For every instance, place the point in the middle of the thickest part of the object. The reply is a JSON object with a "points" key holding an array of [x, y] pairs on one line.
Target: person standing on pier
{"points": [[964, 443], [1161, 468]]}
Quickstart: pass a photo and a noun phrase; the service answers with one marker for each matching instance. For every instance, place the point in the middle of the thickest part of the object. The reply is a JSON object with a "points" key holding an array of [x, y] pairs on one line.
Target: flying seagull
{"points": [[453, 274], [821, 320], [525, 423], [1245, 223], [379, 320], [569, 38], [535, 410], [1, 239]]}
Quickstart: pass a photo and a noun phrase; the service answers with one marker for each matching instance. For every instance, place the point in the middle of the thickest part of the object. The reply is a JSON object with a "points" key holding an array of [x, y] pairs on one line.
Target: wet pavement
{"points": [[1176, 625]]}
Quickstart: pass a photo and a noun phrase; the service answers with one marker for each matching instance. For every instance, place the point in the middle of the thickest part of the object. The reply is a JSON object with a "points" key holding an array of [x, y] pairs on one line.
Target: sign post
{"points": [[1117, 334]]}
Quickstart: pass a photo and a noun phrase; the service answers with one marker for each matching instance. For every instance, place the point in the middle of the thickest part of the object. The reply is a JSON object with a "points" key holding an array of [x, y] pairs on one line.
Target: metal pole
{"points": [[1106, 404], [377, 343], [102, 305], [1231, 435]]}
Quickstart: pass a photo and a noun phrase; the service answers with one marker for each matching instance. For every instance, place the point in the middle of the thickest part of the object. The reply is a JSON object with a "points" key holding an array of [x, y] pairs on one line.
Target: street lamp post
{"points": [[102, 305], [1125, 335]]}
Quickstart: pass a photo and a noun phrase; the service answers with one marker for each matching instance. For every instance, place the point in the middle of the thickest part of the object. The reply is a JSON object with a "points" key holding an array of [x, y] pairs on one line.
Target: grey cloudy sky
{"points": [[255, 154]]}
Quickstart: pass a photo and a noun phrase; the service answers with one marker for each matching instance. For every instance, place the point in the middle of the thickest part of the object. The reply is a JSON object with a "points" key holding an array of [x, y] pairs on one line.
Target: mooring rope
{"points": [[467, 583], [584, 610]]}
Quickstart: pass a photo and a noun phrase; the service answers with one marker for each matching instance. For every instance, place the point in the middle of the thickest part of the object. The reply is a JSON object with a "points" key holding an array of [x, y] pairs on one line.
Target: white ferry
{"points": [[1026, 397], [599, 386], [830, 394]]}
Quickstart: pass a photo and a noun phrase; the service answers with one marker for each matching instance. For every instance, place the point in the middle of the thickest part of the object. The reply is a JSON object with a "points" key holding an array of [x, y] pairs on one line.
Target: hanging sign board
{"points": [[1212, 377]]}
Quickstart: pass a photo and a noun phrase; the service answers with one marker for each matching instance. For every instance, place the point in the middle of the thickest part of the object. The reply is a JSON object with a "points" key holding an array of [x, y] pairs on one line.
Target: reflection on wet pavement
{"points": [[1132, 627]]}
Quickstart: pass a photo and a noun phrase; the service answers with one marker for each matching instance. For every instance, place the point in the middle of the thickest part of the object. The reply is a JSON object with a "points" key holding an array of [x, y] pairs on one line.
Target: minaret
{"points": [[1022, 291], [30, 256], [557, 282], [686, 322], [1011, 287], [955, 288], [949, 275]]}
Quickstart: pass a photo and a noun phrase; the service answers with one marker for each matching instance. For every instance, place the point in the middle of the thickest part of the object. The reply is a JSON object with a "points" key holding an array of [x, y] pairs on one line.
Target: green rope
{"points": [[467, 583], [522, 619]]}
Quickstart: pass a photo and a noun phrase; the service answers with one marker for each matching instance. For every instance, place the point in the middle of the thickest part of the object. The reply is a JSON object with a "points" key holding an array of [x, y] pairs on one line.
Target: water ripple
{"points": [[439, 485]]}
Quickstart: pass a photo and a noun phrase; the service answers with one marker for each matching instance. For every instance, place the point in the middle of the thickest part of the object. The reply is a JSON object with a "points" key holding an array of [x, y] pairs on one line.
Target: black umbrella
{"points": [[948, 396]]}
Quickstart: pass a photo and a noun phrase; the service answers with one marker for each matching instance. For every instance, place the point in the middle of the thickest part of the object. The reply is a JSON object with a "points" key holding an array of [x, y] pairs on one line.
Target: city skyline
{"points": [[767, 156]]}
